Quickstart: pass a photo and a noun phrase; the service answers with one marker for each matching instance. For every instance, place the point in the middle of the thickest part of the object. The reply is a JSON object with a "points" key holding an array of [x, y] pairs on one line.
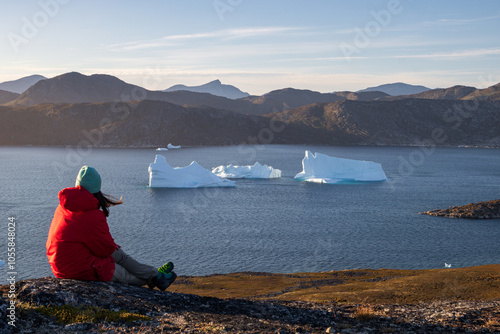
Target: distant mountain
{"points": [[6, 96], [78, 88], [62, 111], [405, 122], [214, 87], [452, 93], [397, 88], [20, 85]]}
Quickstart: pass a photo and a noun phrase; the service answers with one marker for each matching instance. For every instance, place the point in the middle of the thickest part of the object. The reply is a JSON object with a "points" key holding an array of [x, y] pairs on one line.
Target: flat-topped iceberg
{"points": [[321, 168], [162, 149], [162, 175], [256, 171], [173, 146]]}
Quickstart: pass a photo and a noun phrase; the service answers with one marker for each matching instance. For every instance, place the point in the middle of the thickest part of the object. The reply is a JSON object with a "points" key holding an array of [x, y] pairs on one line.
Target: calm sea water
{"points": [[264, 225]]}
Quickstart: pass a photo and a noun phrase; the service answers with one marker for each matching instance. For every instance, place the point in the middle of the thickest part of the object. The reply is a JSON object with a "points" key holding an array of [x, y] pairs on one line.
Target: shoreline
{"points": [[247, 144]]}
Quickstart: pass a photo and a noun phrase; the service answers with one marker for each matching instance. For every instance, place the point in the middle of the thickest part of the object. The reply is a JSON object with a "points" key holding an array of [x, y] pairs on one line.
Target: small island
{"points": [[481, 210]]}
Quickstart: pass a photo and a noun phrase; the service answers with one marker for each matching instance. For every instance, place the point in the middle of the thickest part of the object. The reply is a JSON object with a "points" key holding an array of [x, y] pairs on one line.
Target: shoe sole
{"points": [[169, 282]]}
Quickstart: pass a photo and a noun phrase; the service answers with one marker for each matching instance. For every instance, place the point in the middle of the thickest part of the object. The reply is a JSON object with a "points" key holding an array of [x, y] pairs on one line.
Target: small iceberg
{"points": [[321, 168], [173, 146], [162, 149], [256, 171], [2, 262], [162, 175]]}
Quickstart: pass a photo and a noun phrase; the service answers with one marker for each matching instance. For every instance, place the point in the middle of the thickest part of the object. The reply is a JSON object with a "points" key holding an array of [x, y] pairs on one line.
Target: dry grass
{"points": [[210, 327], [68, 314], [480, 283], [365, 313]]}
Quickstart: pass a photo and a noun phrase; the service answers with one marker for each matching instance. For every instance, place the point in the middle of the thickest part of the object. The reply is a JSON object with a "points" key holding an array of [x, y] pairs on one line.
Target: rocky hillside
{"points": [[290, 98], [462, 301], [134, 124], [490, 94], [452, 93], [149, 123], [400, 122], [6, 96]]}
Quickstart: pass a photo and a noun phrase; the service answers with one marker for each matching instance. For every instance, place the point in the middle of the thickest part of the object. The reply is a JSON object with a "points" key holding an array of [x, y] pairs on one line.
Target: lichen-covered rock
{"points": [[176, 312]]}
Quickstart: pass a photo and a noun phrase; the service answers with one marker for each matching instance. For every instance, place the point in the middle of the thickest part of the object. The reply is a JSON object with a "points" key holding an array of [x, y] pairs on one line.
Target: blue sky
{"points": [[256, 45]]}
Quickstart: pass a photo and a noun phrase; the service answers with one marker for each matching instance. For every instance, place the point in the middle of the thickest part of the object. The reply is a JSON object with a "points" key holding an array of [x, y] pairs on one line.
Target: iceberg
{"points": [[173, 146], [2, 262], [162, 175], [321, 168], [162, 149], [256, 171]]}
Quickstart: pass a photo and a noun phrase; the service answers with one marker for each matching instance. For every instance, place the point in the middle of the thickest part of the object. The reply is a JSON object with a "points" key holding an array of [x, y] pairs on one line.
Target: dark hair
{"points": [[105, 201]]}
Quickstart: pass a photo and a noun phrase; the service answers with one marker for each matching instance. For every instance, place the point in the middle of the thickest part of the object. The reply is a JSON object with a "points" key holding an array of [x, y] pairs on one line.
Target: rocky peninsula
{"points": [[461, 300], [480, 210]]}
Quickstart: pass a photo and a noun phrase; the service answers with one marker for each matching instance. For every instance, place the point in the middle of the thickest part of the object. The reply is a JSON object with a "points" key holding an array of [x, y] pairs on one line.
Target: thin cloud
{"points": [[455, 22], [228, 34], [458, 54]]}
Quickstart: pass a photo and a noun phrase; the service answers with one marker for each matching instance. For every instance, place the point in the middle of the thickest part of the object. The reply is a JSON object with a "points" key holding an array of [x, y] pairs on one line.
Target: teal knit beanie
{"points": [[89, 179]]}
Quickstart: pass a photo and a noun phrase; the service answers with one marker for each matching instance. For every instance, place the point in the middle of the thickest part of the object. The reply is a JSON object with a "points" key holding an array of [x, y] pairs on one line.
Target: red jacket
{"points": [[79, 245]]}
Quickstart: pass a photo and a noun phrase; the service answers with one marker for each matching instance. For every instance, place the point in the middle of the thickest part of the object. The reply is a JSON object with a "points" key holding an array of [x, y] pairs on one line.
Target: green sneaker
{"points": [[164, 270]]}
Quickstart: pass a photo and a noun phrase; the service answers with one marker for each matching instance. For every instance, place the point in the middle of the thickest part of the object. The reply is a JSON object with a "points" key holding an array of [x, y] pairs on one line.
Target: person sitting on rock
{"points": [[80, 246]]}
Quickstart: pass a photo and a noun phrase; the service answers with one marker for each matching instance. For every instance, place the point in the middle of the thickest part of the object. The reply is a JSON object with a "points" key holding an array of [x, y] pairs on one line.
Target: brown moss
{"points": [[353, 286]]}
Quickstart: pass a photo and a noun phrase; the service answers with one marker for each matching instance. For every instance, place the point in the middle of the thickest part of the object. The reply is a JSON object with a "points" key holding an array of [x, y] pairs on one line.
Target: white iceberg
{"points": [[162, 175], [173, 146], [256, 171], [162, 149], [321, 168]]}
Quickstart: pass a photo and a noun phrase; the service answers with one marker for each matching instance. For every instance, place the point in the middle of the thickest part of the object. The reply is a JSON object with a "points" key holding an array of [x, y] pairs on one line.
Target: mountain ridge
{"points": [[40, 115], [396, 89], [457, 92], [214, 87], [74, 87]]}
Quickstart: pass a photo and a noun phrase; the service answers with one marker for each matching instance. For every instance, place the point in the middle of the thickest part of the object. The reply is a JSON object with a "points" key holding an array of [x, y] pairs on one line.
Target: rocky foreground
{"points": [[50, 305], [480, 210]]}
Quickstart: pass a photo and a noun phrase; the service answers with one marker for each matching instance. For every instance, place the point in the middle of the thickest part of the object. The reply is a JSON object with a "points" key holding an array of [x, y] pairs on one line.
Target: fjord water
{"points": [[278, 225]]}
